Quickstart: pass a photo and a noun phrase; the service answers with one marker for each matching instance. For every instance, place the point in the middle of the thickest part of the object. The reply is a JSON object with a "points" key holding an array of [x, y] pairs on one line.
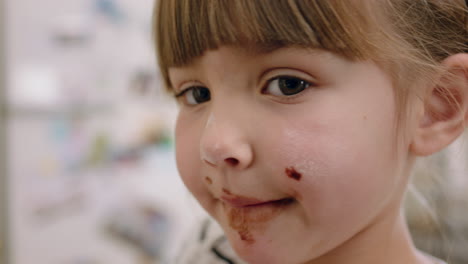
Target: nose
{"points": [[224, 144]]}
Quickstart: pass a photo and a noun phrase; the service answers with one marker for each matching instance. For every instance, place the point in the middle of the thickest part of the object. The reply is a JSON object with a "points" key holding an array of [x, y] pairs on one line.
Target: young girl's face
{"points": [[294, 152]]}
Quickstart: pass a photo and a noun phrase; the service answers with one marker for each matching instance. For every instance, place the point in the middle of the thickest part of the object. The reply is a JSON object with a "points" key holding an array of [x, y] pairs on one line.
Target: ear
{"points": [[445, 109]]}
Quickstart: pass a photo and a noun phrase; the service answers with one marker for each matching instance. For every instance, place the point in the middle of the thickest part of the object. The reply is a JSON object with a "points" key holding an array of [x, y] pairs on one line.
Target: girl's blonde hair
{"points": [[409, 38]]}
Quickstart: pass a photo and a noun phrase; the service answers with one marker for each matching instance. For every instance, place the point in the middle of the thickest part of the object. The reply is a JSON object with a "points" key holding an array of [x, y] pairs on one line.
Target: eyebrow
{"points": [[253, 50]]}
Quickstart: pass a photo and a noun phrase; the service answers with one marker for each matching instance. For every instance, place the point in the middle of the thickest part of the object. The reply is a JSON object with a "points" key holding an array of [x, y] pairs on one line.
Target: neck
{"points": [[385, 241]]}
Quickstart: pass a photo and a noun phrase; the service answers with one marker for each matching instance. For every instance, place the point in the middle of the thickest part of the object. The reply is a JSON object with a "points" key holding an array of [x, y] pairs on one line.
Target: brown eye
{"points": [[286, 86], [196, 95]]}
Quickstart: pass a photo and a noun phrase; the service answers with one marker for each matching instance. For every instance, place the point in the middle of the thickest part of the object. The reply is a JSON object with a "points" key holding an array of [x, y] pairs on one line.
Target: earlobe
{"points": [[445, 109]]}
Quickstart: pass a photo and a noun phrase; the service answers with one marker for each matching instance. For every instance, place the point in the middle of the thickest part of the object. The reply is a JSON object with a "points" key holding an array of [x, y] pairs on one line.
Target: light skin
{"points": [[299, 156]]}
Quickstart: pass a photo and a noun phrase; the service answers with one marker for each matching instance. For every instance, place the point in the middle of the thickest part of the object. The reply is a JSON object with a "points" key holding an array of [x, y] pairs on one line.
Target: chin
{"points": [[258, 257], [259, 252]]}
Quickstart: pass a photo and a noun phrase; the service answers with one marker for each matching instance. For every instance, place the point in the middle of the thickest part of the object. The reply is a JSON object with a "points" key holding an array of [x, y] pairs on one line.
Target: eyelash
{"points": [[181, 93]]}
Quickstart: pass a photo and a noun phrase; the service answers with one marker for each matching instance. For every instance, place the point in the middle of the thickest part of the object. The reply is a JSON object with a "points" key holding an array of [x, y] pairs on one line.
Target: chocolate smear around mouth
{"points": [[293, 174], [208, 180], [246, 219], [226, 191]]}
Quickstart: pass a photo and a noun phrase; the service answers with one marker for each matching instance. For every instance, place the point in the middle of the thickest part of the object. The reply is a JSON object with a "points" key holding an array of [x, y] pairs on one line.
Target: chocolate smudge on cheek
{"points": [[293, 174]]}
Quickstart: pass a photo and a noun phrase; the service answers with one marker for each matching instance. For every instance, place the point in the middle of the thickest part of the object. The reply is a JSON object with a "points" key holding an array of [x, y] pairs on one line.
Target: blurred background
{"points": [[90, 172], [87, 170]]}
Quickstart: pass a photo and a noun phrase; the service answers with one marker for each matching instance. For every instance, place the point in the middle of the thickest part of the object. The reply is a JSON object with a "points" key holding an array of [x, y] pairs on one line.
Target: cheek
{"points": [[342, 170], [189, 163], [187, 155]]}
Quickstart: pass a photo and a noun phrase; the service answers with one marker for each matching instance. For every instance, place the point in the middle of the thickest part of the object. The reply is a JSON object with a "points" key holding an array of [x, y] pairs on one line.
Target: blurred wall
{"points": [[3, 171]]}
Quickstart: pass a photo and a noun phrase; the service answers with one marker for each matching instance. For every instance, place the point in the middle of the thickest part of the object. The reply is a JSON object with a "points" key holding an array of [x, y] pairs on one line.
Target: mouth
{"points": [[247, 202]]}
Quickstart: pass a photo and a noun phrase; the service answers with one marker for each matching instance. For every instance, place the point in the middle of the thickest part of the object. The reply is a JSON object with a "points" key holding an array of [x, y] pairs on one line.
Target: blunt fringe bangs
{"points": [[185, 29]]}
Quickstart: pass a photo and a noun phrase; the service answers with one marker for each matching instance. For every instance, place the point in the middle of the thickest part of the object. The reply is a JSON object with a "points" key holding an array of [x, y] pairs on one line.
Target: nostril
{"points": [[232, 161]]}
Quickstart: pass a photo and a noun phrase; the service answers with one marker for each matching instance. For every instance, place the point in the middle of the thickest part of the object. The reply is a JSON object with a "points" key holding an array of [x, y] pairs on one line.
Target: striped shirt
{"points": [[207, 245]]}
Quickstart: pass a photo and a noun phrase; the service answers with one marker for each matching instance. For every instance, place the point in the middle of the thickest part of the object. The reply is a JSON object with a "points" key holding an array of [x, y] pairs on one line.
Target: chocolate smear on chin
{"points": [[245, 220]]}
